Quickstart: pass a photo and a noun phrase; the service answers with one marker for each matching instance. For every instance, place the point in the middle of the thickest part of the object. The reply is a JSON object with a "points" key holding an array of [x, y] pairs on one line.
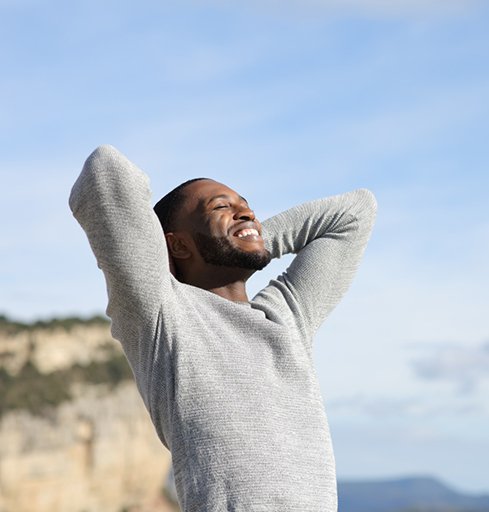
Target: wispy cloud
{"points": [[463, 365], [380, 8], [398, 407]]}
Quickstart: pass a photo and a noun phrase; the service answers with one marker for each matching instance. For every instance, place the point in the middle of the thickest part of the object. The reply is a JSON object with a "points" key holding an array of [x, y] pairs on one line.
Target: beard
{"points": [[219, 251]]}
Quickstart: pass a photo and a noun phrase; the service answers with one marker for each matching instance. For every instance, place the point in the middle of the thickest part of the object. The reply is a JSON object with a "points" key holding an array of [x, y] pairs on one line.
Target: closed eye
{"points": [[221, 206]]}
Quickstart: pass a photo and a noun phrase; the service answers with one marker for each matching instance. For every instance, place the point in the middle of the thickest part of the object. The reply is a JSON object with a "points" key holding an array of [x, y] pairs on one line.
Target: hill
{"points": [[422, 494]]}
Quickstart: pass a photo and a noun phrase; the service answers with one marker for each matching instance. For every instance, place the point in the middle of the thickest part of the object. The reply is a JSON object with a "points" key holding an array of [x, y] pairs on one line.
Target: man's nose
{"points": [[244, 214]]}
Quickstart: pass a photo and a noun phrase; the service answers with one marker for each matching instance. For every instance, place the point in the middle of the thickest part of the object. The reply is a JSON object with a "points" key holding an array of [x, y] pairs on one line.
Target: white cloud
{"points": [[398, 407], [463, 365], [391, 7], [380, 8]]}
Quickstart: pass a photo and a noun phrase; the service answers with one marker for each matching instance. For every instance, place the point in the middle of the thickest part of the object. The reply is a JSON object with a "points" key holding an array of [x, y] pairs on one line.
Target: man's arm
{"points": [[329, 237], [111, 201]]}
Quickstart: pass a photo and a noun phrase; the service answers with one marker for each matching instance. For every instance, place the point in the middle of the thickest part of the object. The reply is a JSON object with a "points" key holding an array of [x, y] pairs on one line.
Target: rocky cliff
{"points": [[74, 433]]}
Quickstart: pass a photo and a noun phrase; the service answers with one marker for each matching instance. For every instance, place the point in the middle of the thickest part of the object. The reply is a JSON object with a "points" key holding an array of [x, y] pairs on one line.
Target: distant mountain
{"points": [[406, 495]]}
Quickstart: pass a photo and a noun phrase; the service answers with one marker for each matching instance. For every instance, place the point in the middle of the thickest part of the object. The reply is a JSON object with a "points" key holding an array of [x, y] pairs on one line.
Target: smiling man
{"points": [[207, 223], [229, 382]]}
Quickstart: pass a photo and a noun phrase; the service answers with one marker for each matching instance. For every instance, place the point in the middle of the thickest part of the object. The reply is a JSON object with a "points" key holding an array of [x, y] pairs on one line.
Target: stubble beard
{"points": [[219, 251]]}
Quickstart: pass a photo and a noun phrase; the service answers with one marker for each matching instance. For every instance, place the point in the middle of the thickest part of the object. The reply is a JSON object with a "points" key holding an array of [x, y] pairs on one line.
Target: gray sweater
{"points": [[230, 386]]}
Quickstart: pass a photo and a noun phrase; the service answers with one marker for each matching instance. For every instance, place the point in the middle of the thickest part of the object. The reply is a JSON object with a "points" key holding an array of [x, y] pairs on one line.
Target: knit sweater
{"points": [[230, 386]]}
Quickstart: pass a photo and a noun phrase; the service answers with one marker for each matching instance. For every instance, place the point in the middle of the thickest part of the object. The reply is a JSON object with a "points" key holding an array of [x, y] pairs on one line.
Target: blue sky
{"points": [[285, 102]]}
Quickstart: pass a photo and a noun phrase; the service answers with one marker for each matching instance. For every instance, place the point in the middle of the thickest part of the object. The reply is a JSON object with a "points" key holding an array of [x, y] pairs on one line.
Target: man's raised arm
{"points": [[111, 201], [329, 237]]}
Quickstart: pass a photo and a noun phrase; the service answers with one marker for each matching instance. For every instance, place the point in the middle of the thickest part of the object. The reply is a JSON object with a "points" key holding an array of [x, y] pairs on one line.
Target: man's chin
{"points": [[254, 261], [259, 260], [220, 251]]}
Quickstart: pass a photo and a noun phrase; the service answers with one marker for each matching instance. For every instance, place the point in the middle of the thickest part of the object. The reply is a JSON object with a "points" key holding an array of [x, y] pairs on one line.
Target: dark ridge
{"points": [[416, 494]]}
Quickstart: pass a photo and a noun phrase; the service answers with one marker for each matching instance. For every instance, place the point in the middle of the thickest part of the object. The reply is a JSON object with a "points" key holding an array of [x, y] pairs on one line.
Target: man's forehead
{"points": [[202, 192]]}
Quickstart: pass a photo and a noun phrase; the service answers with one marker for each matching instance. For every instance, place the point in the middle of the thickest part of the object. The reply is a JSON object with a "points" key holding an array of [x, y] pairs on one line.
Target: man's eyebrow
{"points": [[225, 196]]}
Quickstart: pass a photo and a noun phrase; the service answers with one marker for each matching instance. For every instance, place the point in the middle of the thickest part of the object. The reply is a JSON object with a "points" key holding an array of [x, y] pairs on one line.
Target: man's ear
{"points": [[178, 246]]}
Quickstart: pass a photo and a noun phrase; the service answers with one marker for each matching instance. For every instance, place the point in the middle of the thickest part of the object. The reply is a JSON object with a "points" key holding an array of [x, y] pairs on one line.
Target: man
{"points": [[229, 383]]}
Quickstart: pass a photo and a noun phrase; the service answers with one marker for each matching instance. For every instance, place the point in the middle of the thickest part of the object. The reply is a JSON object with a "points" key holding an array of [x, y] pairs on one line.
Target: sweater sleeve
{"points": [[111, 201], [328, 237]]}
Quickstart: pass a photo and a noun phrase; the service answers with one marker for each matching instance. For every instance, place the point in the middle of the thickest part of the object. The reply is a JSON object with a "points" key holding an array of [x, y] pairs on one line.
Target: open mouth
{"points": [[247, 234]]}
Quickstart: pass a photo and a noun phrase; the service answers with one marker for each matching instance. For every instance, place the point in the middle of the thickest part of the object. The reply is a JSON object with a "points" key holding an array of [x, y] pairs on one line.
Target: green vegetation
{"points": [[37, 393], [31, 391], [111, 372], [10, 326]]}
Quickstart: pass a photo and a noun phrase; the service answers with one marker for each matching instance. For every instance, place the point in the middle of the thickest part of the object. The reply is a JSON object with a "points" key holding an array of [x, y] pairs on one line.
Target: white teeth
{"points": [[247, 232]]}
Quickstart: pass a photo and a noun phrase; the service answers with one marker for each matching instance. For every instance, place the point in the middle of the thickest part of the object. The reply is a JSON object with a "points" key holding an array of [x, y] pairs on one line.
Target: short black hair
{"points": [[168, 205]]}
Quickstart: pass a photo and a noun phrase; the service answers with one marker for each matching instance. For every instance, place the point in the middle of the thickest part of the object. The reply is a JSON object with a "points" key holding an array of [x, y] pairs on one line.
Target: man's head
{"points": [[207, 223]]}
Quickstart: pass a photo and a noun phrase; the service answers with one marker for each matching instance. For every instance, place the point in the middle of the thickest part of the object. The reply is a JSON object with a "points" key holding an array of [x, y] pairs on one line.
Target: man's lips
{"points": [[247, 230]]}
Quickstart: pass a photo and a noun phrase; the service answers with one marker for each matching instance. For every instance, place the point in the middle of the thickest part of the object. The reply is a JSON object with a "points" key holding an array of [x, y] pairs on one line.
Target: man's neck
{"points": [[223, 281], [235, 292]]}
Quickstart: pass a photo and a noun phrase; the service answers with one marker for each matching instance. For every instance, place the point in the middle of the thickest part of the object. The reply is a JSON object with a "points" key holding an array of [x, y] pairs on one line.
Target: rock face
{"points": [[96, 452], [55, 348]]}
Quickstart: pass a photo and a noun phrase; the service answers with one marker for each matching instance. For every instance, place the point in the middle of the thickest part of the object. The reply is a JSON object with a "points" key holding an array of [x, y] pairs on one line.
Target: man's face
{"points": [[223, 227]]}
